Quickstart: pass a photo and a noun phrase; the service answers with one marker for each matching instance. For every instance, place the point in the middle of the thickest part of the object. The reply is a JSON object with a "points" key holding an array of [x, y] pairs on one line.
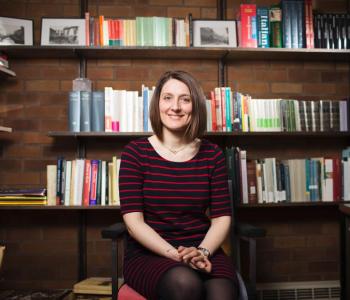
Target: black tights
{"points": [[184, 283]]}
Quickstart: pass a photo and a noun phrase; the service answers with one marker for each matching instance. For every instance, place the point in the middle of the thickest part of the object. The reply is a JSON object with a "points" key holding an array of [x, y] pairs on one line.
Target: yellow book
{"points": [[94, 285]]}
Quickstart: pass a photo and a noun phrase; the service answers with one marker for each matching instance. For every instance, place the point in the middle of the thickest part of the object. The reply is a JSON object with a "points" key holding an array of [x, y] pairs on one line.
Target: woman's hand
{"points": [[195, 259], [173, 254]]}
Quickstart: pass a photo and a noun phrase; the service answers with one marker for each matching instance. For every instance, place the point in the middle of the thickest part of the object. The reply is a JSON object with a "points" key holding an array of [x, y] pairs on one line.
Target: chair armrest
{"points": [[250, 231], [114, 231]]}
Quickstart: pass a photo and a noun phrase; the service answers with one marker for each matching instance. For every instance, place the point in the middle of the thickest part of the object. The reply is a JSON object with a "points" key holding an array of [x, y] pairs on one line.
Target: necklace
{"points": [[174, 151]]}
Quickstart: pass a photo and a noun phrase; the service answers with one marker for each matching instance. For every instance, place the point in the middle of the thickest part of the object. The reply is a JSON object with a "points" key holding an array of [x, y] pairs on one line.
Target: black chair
{"points": [[116, 233]]}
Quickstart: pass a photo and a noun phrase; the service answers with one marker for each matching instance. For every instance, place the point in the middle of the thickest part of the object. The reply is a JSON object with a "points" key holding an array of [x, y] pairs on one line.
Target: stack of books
{"points": [[23, 197]]}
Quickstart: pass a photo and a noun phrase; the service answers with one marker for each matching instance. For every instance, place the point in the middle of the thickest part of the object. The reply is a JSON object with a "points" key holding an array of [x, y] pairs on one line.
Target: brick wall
{"points": [[42, 244]]}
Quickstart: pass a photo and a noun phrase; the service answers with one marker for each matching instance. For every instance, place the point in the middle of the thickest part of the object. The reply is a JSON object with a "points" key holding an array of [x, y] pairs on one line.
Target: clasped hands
{"points": [[192, 257]]}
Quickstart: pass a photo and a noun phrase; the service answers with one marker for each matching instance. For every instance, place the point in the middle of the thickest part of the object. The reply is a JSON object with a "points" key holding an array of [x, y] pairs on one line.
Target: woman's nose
{"points": [[175, 105]]}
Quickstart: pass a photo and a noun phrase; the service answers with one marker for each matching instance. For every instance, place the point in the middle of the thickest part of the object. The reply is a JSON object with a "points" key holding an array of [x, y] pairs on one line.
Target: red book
{"points": [[87, 29], [252, 188], [248, 26], [213, 111], [309, 27], [336, 179], [87, 181], [93, 185]]}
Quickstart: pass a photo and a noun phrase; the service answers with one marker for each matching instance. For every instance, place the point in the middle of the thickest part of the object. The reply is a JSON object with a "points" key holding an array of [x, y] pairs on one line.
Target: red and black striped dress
{"points": [[174, 198]]}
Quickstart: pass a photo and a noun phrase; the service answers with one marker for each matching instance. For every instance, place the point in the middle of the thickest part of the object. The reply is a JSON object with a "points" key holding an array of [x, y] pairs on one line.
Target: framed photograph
{"points": [[214, 33], [62, 32], [14, 31]]}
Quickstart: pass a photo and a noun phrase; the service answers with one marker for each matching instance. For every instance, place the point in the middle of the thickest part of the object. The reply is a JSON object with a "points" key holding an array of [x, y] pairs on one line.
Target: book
{"points": [[74, 111], [262, 16], [51, 173], [98, 111], [248, 26], [85, 111], [94, 285]]}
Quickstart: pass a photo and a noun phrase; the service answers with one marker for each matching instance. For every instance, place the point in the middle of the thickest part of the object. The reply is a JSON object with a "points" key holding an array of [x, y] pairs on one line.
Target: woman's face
{"points": [[175, 105]]}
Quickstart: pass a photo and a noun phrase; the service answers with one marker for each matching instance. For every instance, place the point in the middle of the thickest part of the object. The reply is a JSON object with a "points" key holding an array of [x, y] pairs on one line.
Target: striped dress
{"points": [[174, 198]]}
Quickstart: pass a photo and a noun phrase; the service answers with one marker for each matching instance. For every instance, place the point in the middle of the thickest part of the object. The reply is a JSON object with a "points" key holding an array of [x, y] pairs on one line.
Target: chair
{"points": [[116, 232]]}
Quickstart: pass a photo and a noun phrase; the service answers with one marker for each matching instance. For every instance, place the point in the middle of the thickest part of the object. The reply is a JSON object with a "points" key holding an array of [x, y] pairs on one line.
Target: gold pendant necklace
{"points": [[175, 151]]}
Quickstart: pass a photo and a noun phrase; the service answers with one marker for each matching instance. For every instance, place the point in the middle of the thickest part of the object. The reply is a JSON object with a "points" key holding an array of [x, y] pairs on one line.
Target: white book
{"points": [[122, 96], [51, 175], [140, 114], [115, 111], [79, 182], [328, 180], [68, 175], [258, 181], [108, 109]]}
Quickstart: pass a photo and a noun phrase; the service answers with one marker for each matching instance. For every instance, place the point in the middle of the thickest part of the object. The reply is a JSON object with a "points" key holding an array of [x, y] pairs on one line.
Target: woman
{"points": [[167, 183]]}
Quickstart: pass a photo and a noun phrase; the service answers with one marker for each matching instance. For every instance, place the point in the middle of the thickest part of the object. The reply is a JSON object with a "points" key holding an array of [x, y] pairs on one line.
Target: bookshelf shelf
{"points": [[291, 205], [59, 207], [228, 54], [208, 134]]}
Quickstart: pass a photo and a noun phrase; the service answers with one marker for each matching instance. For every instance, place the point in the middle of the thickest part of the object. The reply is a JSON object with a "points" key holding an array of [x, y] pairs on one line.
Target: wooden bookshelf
{"points": [[227, 54], [59, 207]]}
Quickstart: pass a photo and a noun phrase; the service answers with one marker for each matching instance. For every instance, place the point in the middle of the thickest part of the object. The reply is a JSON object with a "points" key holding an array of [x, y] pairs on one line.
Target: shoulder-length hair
{"points": [[198, 122]]}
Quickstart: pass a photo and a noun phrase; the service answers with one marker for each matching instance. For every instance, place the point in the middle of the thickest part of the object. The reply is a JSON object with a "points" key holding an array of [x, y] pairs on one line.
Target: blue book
{"points": [[85, 111], [263, 26], [98, 111], [74, 111]]}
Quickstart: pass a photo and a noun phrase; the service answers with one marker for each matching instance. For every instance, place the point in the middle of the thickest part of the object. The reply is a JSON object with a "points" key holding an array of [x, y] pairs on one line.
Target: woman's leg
{"points": [[180, 283], [220, 289]]}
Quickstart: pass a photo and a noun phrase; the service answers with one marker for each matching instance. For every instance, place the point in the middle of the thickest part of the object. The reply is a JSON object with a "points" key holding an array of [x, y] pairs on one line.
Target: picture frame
{"points": [[16, 31], [62, 32], [214, 33]]}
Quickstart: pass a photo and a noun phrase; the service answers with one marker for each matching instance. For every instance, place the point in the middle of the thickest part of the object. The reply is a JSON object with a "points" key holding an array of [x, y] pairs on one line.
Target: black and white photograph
{"points": [[14, 31], [62, 32], [214, 33]]}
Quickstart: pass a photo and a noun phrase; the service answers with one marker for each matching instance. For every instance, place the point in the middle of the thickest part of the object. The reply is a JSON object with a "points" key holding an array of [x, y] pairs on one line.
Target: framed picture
{"points": [[62, 32], [214, 33], [14, 31]]}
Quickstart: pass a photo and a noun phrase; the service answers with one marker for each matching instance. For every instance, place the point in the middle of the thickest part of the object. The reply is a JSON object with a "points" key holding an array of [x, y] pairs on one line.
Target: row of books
{"points": [[109, 110], [270, 180], [234, 111], [83, 182], [332, 31], [127, 111], [292, 24], [141, 31], [23, 197]]}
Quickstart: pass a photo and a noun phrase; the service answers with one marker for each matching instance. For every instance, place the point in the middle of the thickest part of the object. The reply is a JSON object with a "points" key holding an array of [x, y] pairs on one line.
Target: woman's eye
{"points": [[166, 97], [186, 100]]}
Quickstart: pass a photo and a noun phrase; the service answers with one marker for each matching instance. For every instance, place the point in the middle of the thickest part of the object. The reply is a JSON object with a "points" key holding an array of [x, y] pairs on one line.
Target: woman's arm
{"points": [[216, 234], [148, 237]]}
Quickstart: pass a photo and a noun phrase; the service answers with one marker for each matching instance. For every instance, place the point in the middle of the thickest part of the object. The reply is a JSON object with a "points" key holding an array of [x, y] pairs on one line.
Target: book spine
{"points": [[263, 34], [248, 25], [74, 111], [98, 111], [85, 108]]}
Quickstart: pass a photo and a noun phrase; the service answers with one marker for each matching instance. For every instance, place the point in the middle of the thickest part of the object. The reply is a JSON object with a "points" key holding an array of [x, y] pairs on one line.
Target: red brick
{"points": [[297, 75], [116, 11], [253, 88], [208, 13], [71, 10], [289, 242], [97, 73], [46, 10], [320, 89], [166, 2], [286, 88], [181, 12], [42, 85], [271, 75], [201, 3], [335, 76], [150, 11]]}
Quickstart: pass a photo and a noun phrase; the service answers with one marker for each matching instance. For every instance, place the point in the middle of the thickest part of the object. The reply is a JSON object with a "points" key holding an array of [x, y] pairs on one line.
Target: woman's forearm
{"points": [[147, 236], [216, 234]]}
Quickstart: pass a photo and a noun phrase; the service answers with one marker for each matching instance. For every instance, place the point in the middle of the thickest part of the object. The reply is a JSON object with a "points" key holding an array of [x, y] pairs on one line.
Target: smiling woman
{"points": [[167, 183]]}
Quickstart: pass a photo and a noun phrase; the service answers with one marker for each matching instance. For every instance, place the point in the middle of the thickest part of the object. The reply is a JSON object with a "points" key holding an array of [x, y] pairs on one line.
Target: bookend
{"points": [[116, 233]]}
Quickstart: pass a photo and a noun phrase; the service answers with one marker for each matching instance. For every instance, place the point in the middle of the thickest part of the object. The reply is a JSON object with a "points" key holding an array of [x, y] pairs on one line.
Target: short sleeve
{"points": [[220, 197], [130, 180]]}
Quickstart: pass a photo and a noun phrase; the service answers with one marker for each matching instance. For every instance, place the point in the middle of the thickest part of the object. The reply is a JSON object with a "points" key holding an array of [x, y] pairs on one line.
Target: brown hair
{"points": [[198, 121]]}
